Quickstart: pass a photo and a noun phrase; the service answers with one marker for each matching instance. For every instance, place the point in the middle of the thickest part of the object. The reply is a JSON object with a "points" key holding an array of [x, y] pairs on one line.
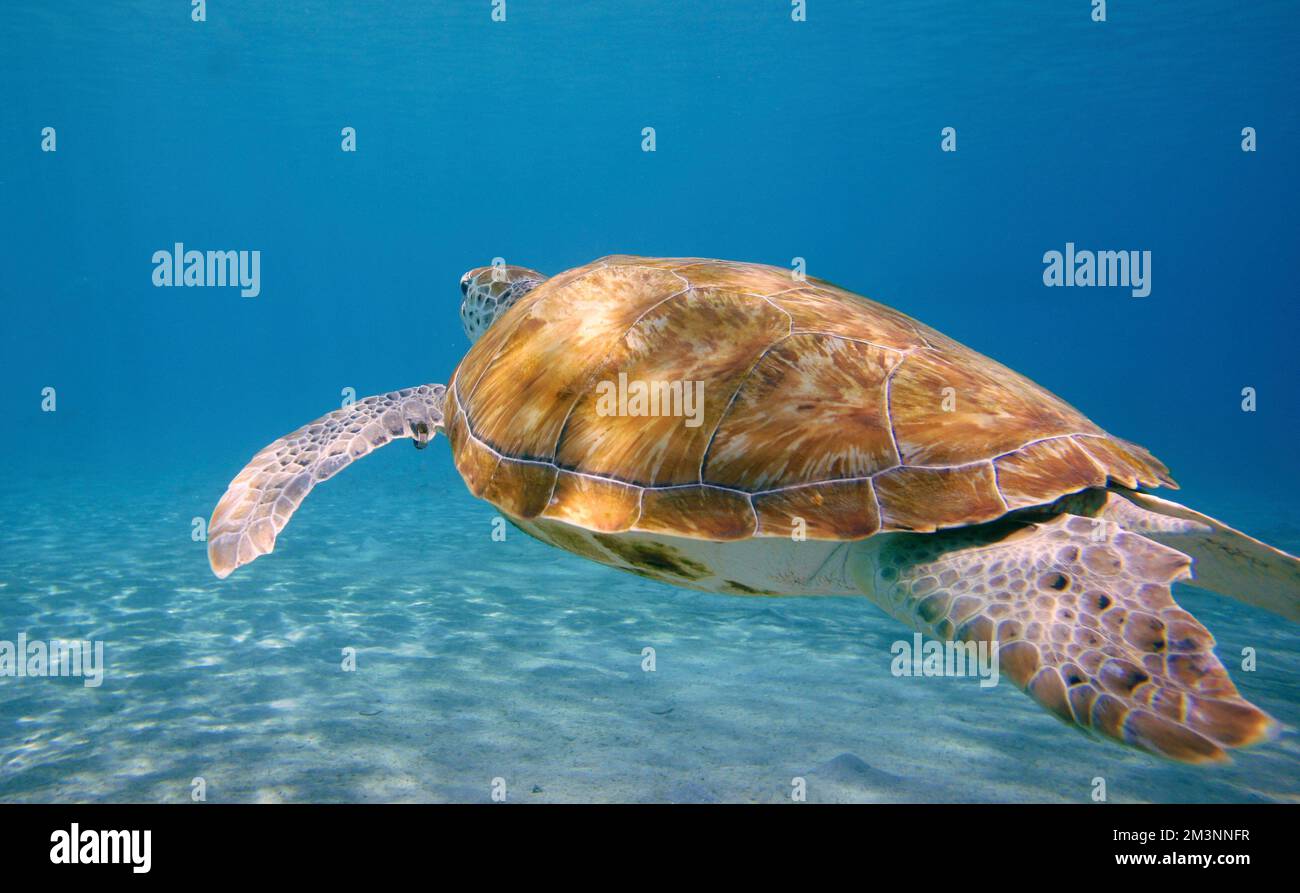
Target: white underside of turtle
{"points": [[841, 449]]}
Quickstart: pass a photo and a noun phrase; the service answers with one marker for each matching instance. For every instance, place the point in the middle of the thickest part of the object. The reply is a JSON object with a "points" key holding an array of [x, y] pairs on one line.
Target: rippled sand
{"points": [[479, 660]]}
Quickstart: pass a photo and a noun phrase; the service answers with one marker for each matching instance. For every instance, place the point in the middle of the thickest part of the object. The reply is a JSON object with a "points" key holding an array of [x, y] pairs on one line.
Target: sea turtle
{"points": [[736, 428]]}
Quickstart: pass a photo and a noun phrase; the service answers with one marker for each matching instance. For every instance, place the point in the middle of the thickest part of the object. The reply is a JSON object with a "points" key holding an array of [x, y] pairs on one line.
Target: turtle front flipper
{"points": [[1083, 620], [261, 499]]}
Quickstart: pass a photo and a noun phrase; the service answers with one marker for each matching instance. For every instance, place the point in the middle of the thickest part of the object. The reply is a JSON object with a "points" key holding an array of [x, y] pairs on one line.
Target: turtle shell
{"points": [[823, 413]]}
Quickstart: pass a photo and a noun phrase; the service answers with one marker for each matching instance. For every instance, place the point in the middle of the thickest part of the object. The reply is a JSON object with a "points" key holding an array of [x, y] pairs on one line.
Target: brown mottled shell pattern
{"points": [[818, 405]]}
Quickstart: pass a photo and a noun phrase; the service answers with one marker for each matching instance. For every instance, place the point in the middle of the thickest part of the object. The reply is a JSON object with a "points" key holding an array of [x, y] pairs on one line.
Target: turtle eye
{"points": [[464, 285]]}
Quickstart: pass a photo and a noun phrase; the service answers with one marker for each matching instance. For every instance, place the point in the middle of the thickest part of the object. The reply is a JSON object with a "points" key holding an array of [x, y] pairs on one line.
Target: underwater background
{"points": [[523, 139]]}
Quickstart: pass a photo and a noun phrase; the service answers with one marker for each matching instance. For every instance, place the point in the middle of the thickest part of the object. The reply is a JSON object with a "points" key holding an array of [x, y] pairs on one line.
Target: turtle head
{"points": [[490, 292]]}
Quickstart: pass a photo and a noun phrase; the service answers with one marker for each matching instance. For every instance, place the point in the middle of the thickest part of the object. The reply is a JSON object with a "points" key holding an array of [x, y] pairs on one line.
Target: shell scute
{"points": [[523, 390], [702, 512], [838, 510], [521, 488], [595, 503], [958, 407], [1036, 473], [699, 346], [927, 499], [823, 308], [813, 409]]}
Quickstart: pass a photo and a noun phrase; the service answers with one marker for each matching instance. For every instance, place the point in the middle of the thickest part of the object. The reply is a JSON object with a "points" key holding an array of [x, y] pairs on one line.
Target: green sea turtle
{"points": [[729, 427]]}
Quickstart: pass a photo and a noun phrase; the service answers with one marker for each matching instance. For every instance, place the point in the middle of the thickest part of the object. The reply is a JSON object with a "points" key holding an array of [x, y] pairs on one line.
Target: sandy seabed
{"points": [[479, 660]]}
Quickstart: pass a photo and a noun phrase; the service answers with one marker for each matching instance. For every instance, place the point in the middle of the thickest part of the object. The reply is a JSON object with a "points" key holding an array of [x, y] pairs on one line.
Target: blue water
{"points": [[523, 139]]}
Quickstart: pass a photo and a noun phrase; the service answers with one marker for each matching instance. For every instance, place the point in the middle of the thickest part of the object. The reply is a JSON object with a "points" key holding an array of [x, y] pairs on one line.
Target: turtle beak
{"points": [[421, 434]]}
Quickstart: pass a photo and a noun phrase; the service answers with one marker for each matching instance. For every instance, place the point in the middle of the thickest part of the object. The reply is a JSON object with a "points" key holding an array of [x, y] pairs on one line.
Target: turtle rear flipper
{"points": [[1084, 621], [1224, 560], [260, 500]]}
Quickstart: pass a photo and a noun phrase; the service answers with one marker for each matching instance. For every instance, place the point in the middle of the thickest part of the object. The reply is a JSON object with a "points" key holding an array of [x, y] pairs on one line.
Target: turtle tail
{"points": [[1224, 560]]}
